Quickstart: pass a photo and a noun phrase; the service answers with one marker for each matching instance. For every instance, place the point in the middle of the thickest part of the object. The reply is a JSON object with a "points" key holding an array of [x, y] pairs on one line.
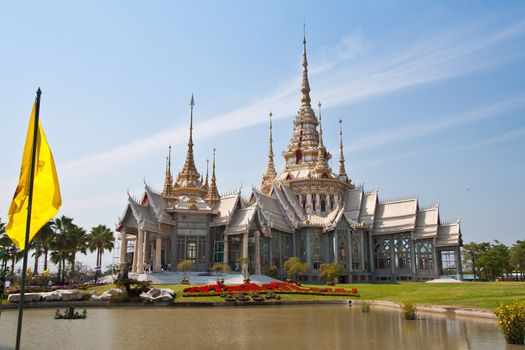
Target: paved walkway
{"points": [[170, 277]]}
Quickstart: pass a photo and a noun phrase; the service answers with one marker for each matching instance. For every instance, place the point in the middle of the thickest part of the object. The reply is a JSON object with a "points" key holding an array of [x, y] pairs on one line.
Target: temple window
{"points": [[323, 203], [316, 247], [424, 254], [313, 202], [402, 252], [298, 156], [382, 253], [304, 201], [191, 251]]}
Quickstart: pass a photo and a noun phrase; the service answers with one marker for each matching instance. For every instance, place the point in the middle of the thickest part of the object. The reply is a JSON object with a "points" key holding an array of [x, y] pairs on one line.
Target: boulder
{"points": [[15, 298], [51, 296], [155, 294], [70, 295], [107, 294]]}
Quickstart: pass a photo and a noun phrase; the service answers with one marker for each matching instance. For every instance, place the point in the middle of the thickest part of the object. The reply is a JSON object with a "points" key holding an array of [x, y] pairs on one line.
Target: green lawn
{"points": [[486, 295], [470, 294]]}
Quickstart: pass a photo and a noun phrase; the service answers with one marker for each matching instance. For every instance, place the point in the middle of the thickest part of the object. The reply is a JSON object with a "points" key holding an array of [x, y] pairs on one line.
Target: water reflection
{"points": [[297, 327]]}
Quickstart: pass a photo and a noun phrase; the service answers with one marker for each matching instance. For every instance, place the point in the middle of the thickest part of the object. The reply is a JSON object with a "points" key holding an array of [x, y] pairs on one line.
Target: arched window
{"points": [[298, 156], [323, 203], [302, 249], [316, 247]]}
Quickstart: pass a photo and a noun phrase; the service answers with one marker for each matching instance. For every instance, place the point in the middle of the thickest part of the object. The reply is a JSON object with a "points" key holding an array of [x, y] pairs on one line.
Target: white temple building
{"points": [[307, 210]]}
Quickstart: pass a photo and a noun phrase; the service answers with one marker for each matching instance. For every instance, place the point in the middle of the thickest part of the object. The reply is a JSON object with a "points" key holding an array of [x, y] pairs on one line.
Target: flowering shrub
{"points": [[511, 318], [276, 287]]}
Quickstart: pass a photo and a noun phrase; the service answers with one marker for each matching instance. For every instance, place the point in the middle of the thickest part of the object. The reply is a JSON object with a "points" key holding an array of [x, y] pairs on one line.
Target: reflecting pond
{"points": [[274, 327]]}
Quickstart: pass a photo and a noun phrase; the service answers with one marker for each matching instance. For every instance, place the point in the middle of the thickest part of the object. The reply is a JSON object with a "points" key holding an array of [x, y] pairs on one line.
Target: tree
{"points": [[471, 254], [78, 243], [59, 245], [185, 266], [220, 267], [40, 245], [495, 261], [294, 266], [243, 262], [330, 271], [517, 257], [100, 239]]}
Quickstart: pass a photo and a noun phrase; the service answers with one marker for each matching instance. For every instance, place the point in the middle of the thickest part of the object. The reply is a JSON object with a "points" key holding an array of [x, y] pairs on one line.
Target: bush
{"points": [[511, 318], [329, 272], [408, 310]]}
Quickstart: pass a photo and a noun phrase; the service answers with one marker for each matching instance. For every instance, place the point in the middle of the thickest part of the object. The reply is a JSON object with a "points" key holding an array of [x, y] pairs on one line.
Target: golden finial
{"points": [[342, 170], [189, 176], [213, 196], [167, 191], [320, 127], [305, 86]]}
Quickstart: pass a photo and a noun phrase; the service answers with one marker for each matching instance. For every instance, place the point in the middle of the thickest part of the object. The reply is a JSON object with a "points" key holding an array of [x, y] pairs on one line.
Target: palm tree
{"points": [[100, 239], [40, 244], [78, 243], [59, 245]]}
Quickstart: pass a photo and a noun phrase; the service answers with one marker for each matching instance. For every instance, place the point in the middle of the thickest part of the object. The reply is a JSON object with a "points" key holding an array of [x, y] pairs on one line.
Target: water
{"points": [[275, 327]]}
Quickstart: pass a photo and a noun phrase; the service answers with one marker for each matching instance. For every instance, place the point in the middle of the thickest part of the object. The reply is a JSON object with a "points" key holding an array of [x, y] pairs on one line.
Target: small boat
{"points": [[70, 314]]}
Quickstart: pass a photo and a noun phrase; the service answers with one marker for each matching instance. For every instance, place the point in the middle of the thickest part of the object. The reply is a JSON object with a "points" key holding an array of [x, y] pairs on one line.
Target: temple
{"points": [[307, 210]]}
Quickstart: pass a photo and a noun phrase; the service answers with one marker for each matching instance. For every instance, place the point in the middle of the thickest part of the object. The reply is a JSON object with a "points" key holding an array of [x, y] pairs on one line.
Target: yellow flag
{"points": [[46, 191]]}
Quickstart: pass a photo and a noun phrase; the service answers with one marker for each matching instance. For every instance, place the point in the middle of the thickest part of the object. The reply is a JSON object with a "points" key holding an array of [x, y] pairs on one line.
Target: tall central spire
{"points": [[189, 176], [305, 86]]}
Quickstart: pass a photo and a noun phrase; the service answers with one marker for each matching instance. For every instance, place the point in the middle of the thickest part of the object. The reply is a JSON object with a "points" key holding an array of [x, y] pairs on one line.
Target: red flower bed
{"points": [[277, 287]]}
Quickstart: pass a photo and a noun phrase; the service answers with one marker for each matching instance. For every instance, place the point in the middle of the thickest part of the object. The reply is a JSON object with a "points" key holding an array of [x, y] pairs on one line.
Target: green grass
{"points": [[486, 295]]}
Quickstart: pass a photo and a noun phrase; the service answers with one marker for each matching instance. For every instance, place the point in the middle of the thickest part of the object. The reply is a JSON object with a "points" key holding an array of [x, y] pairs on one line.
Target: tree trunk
{"points": [[37, 251], [45, 258]]}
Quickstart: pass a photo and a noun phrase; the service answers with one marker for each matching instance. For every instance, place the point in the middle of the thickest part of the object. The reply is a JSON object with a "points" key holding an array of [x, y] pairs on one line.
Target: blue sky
{"points": [[432, 97]]}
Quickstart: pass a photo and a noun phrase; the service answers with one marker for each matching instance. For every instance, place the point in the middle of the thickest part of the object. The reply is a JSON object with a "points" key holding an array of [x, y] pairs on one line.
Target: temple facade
{"points": [[306, 210]]}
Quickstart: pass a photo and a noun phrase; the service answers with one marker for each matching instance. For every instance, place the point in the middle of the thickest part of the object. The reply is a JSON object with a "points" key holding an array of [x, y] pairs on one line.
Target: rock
{"points": [[15, 298], [108, 294], [155, 294], [51, 296], [70, 295]]}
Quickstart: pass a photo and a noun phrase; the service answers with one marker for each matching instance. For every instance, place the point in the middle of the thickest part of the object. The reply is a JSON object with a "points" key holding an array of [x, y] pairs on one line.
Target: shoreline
{"points": [[450, 311]]}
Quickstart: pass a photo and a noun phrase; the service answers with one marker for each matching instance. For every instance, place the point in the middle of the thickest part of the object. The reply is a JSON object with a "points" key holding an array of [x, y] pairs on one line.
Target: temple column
{"points": [[413, 256], [350, 267], [140, 251], [318, 204], [226, 250], [435, 259], [328, 203], [257, 254], [362, 244], [135, 252], [309, 206], [146, 255], [459, 272], [158, 250], [336, 244], [309, 250], [392, 256], [123, 246], [336, 200], [245, 245]]}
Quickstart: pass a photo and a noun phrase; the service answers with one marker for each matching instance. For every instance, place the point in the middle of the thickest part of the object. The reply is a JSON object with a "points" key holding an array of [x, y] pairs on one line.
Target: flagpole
{"points": [[28, 224]]}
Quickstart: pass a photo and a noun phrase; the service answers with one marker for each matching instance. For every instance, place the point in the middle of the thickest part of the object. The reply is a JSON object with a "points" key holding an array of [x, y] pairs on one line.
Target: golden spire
{"points": [[213, 196], [205, 185], [270, 173], [342, 171], [322, 162], [305, 86], [168, 180], [189, 176]]}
